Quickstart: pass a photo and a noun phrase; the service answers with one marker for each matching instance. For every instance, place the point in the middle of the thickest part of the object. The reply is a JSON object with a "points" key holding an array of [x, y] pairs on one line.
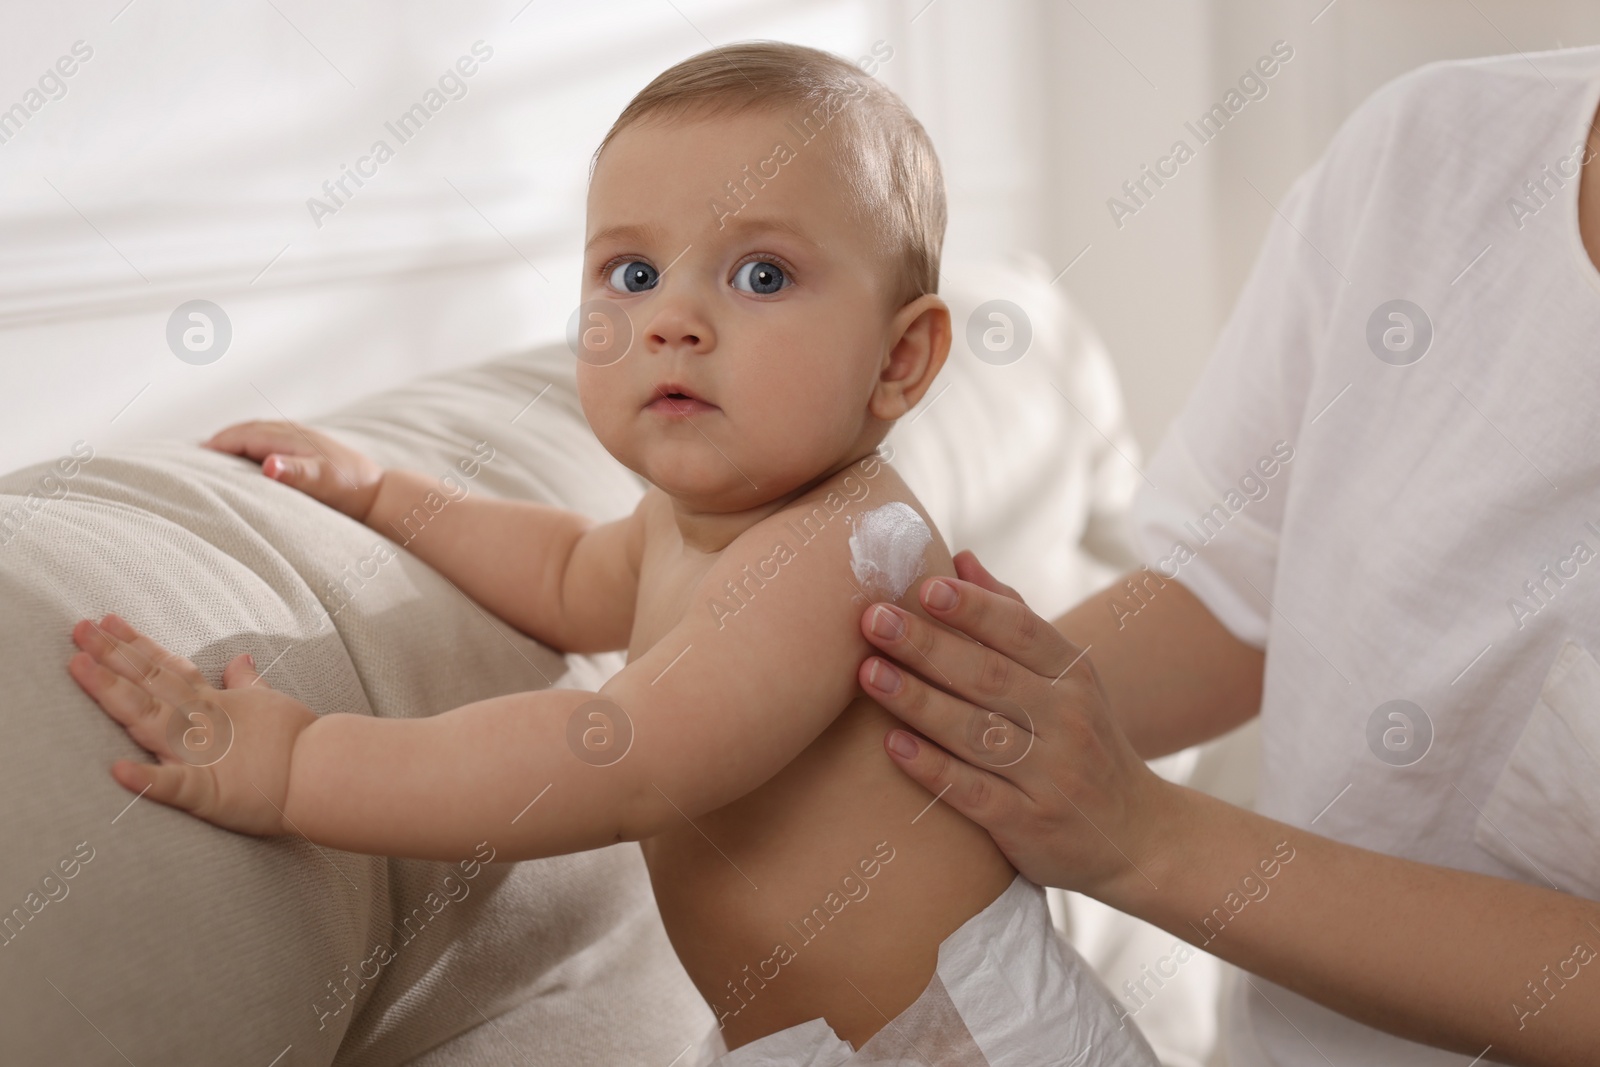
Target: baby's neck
{"points": [[710, 531]]}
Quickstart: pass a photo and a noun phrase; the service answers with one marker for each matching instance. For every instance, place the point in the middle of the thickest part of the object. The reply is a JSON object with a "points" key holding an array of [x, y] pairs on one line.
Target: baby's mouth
{"points": [[675, 401]]}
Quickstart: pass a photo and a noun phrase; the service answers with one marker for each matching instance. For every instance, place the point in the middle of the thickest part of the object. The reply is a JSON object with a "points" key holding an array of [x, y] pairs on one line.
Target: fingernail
{"points": [[902, 744], [251, 660], [885, 623], [883, 678], [940, 595]]}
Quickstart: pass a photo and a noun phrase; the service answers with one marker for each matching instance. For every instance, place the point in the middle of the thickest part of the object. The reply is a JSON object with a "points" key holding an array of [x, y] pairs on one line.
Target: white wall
{"points": [[178, 165], [1043, 108]]}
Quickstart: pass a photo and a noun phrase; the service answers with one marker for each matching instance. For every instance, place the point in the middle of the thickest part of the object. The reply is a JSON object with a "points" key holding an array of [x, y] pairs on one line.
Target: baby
{"points": [[763, 239]]}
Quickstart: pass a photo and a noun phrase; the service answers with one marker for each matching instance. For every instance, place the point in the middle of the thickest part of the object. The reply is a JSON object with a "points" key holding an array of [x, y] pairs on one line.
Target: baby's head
{"points": [[768, 219]]}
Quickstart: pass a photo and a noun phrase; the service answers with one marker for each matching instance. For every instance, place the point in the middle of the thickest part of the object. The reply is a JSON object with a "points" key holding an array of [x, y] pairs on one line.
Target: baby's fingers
{"points": [[125, 651], [314, 463], [176, 784], [124, 632], [139, 713], [259, 439], [305, 473]]}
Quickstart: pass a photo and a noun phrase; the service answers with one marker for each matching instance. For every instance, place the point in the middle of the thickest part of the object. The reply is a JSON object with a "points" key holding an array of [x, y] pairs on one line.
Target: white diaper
{"points": [[1008, 991]]}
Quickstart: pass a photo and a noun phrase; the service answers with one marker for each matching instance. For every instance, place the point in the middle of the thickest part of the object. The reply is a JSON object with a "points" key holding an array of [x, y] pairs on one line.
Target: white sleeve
{"points": [[1210, 513]]}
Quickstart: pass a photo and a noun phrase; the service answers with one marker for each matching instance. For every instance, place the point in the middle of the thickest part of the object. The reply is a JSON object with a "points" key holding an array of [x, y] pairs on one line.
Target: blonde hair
{"points": [[885, 156]]}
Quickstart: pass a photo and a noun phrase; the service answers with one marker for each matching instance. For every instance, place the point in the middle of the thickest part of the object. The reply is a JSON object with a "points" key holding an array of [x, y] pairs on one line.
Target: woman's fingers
{"points": [[965, 667], [1017, 670], [985, 798], [993, 738], [1017, 735], [968, 569], [1001, 621]]}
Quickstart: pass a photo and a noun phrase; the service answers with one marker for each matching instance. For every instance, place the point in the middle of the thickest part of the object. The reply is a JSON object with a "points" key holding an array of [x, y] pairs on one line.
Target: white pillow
{"points": [[1021, 450]]}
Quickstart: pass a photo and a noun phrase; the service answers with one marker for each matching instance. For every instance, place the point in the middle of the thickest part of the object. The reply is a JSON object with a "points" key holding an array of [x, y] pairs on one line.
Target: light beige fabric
{"points": [[178, 943]]}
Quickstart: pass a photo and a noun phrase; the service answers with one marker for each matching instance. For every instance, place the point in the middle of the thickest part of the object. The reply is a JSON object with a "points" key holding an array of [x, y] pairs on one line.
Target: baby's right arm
{"points": [[764, 657], [554, 574]]}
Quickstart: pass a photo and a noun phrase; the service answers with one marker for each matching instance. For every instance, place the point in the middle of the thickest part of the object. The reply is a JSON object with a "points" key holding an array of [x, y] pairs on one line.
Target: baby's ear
{"points": [[919, 342]]}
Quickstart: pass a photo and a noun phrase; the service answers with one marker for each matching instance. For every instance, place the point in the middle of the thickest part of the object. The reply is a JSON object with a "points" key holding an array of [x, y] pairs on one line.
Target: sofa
{"points": [[132, 933]]}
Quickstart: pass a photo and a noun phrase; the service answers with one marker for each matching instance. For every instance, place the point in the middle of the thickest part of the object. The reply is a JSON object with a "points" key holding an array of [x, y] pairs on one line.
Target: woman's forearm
{"points": [[1174, 676], [1441, 956]]}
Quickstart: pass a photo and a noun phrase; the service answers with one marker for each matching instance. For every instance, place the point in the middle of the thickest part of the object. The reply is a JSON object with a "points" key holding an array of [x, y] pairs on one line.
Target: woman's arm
{"points": [[1209, 681], [1446, 957]]}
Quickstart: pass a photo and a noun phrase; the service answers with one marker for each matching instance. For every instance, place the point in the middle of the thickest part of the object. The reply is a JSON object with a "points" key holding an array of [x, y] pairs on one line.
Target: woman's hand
{"points": [[311, 462], [224, 753], [1023, 743]]}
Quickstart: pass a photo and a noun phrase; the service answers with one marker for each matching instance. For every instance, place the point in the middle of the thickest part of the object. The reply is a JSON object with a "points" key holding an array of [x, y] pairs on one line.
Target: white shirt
{"points": [[1434, 535]]}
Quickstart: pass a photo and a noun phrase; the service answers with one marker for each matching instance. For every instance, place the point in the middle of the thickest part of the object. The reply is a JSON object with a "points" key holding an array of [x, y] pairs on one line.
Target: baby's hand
{"points": [[225, 753], [312, 462]]}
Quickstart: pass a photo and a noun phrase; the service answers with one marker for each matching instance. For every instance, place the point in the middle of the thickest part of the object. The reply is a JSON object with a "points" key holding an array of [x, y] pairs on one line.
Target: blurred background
{"points": [[177, 161]]}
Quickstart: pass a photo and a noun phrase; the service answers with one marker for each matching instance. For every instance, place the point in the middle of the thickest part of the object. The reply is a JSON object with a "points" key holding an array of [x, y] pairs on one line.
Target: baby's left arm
{"points": [[764, 659]]}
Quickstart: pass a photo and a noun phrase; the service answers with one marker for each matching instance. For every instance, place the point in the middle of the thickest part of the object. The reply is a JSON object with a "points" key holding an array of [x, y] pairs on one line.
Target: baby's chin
{"points": [[697, 473], [719, 482], [717, 471]]}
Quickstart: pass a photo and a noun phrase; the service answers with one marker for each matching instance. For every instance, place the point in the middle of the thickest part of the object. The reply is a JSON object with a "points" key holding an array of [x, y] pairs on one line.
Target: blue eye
{"points": [[634, 277], [760, 276]]}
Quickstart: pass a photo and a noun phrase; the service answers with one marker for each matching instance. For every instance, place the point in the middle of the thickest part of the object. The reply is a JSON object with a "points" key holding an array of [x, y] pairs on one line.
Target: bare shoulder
{"points": [[765, 653], [859, 536]]}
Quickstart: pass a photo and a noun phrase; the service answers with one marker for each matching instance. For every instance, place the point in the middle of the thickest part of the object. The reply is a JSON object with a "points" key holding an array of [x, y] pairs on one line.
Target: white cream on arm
{"points": [[886, 549]]}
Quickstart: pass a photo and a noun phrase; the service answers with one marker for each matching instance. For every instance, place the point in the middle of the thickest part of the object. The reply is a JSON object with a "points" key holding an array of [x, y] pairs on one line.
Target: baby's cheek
{"points": [[799, 403], [604, 401], [601, 390]]}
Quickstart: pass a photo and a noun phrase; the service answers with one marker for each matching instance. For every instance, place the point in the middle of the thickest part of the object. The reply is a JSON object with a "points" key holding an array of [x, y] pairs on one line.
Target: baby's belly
{"points": [[826, 892]]}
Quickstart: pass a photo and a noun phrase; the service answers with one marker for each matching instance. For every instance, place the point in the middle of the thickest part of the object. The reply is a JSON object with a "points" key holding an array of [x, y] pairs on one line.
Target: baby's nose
{"points": [[667, 338], [679, 328]]}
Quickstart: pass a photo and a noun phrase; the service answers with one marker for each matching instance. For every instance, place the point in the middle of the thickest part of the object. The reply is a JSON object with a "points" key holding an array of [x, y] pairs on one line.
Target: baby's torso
{"points": [[826, 891]]}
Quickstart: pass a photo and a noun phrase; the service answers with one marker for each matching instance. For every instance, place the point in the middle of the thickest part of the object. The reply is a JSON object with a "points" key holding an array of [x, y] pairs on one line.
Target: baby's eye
{"points": [[760, 276], [634, 277]]}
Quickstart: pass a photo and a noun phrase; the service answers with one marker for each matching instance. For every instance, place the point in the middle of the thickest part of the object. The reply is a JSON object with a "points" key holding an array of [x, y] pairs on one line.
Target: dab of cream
{"points": [[886, 549]]}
